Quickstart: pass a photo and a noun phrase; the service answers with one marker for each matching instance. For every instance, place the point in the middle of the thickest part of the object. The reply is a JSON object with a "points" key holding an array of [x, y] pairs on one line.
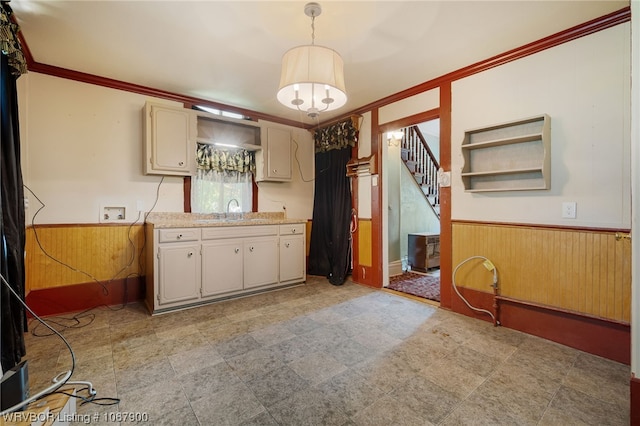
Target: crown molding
{"points": [[602, 23], [607, 21]]}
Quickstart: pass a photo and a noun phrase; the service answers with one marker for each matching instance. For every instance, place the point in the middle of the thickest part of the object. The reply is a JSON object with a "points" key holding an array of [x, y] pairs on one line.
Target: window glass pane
{"points": [[219, 192]]}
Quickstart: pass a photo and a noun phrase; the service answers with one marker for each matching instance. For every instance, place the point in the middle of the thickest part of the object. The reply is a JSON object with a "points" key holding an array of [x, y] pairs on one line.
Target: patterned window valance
{"points": [[336, 136], [9, 42], [209, 157]]}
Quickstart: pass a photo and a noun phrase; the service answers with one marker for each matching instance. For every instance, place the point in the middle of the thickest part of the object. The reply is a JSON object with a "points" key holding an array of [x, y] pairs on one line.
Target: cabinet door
{"points": [[274, 161], [170, 140], [292, 258], [279, 154], [221, 267], [178, 273], [260, 261]]}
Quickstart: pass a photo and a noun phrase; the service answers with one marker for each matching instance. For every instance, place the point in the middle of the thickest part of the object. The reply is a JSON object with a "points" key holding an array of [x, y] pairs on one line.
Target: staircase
{"points": [[422, 164]]}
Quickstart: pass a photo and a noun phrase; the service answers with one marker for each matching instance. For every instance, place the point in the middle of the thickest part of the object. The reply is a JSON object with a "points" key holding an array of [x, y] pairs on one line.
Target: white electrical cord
{"points": [[491, 267], [59, 380]]}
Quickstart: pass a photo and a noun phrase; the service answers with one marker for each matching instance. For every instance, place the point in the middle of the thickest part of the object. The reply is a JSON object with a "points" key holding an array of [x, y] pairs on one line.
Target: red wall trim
{"points": [[80, 297], [584, 29], [186, 190], [376, 200], [410, 121], [596, 336], [599, 337], [635, 401], [533, 225], [590, 27], [446, 251], [37, 226], [149, 91]]}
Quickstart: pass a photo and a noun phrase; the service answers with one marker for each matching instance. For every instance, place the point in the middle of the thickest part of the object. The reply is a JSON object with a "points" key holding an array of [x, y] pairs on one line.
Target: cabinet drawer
{"points": [[292, 229], [238, 231], [178, 235]]}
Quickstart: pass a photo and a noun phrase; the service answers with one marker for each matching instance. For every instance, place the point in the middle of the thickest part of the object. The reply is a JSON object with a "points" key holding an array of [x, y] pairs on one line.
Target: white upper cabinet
{"points": [[273, 163], [169, 140]]}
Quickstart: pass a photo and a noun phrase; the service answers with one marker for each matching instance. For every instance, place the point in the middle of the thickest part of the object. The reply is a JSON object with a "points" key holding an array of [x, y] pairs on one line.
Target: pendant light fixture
{"points": [[312, 78]]}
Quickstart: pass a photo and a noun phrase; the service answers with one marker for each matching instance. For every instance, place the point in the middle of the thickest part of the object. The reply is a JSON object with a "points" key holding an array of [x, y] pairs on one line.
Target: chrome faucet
{"points": [[229, 203]]}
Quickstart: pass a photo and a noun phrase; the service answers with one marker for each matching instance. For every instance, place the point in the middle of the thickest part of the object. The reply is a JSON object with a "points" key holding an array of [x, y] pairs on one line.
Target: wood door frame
{"points": [[443, 113]]}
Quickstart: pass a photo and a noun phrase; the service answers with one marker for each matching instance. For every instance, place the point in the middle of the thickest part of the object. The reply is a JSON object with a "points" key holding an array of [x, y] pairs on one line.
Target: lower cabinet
{"points": [[260, 261], [196, 265], [292, 253], [222, 263], [178, 263]]}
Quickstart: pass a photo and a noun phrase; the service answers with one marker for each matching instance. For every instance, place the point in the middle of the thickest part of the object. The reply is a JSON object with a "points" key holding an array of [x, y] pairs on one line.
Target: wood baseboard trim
{"points": [[74, 298], [608, 339], [634, 386]]}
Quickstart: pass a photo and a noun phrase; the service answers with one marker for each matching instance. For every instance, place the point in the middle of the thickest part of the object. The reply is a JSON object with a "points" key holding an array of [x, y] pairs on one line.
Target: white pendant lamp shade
{"points": [[312, 77]]}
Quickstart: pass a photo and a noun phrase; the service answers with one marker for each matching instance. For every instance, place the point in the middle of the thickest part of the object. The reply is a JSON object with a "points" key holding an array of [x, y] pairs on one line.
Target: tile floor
{"points": [[318, 354]]}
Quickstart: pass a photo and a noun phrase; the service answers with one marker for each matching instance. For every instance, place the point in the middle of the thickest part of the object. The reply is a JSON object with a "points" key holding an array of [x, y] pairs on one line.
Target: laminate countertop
{"points": [[201, 220]]}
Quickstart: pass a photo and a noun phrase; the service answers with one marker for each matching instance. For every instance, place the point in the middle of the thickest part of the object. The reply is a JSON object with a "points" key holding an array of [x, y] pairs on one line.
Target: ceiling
{"points": [[229, 52]]}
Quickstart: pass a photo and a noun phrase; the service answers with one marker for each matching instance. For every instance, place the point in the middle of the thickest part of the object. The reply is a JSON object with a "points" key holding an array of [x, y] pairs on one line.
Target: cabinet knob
{"points": [[190, 254], [293, 230], [179, 237], [181, 163], [237, 250], [251, 249], [287, 245], [275, 170]]}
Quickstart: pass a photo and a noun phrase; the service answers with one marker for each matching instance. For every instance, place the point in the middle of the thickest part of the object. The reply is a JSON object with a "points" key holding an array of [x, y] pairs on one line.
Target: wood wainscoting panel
{"points": [[578, 270], [92, 252], [365, 254]]}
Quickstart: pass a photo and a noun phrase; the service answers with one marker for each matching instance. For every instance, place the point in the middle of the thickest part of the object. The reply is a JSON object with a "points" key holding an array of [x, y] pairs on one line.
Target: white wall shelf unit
{"points": [[513, 156]]}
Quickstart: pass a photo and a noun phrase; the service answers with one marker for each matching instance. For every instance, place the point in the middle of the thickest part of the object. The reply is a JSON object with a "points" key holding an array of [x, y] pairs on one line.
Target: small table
{"points": [[424, 251]]}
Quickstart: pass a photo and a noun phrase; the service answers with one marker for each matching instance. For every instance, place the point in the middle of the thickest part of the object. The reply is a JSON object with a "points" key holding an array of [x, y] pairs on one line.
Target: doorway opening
{"points": [[413, 215]]}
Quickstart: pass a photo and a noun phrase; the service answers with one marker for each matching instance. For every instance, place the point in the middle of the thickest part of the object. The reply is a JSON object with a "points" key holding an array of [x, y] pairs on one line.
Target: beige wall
{"points": [[584, 86], [295, 196], [82, 149]]}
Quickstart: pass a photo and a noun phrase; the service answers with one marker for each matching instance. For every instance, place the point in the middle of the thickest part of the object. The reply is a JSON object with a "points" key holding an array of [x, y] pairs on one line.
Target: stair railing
{"points": [[426, 164]]}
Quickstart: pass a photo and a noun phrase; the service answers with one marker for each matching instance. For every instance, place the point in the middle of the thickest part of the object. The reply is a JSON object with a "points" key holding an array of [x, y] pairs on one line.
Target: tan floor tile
{"points": [[323, 354]]}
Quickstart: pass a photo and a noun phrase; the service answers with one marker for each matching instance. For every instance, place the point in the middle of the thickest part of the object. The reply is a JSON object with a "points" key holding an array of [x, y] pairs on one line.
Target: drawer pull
{"points": [[179, 236], [293, 230], [237, 250], [251, 249], [181, 163], [190, 254], [287, 245]]}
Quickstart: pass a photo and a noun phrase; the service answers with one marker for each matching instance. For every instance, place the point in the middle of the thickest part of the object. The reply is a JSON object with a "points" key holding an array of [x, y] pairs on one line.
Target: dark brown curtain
{"points": [[12, 217], [330, 245]]}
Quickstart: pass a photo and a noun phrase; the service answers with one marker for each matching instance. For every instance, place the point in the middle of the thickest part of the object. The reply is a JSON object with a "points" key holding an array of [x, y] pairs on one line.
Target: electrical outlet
{"points": [[569, 210]]}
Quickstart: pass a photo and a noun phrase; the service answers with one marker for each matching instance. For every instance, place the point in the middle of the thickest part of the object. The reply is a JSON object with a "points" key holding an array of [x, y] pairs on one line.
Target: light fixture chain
{"points": [[313, 29]]}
